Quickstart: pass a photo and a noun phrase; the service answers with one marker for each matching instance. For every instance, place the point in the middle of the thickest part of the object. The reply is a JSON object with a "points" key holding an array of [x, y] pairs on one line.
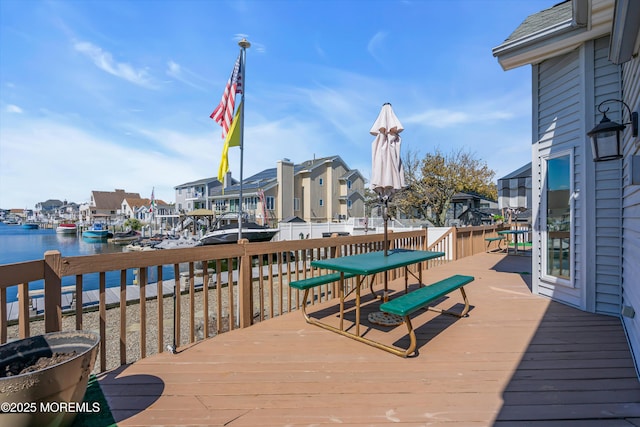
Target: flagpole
{"points": [[244, 44]]}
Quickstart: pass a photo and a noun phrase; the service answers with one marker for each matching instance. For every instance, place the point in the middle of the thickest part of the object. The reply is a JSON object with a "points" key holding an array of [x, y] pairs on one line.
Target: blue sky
{"points": [[99, 95]]}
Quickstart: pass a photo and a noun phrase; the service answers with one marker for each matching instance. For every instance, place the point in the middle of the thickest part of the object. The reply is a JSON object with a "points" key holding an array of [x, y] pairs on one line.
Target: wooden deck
{"points": [[517, 359]]}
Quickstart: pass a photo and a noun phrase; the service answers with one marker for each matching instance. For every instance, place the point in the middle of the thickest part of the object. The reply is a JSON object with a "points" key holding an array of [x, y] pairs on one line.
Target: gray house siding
{"points": [[606, 197], [557, 129], [567, 90], [608, 190], [631, 212]]}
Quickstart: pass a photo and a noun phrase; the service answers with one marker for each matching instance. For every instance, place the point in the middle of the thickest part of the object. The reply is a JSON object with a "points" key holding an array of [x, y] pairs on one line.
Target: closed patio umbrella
{"points": [[387, 178], [387, 172]]}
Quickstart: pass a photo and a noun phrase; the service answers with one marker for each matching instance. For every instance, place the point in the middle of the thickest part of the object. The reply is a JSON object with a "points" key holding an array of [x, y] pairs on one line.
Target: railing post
{"points": [[425, 239], [333, 250], [23, 310], [52, 291], [3, 315], [245, 288], [455, 244]]}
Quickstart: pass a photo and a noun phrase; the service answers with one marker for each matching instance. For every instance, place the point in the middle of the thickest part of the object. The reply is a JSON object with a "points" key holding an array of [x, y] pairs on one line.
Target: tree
{"points": [[413, 201], [133, 224], [433, 181]]}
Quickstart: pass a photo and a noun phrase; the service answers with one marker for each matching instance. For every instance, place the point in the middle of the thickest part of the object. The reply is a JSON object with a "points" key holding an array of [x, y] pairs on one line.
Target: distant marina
{"points": [[18, 244]]}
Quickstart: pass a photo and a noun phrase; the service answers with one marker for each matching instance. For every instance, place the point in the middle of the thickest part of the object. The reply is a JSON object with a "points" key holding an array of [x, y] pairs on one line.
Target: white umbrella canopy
{"points": [[387, 172]]}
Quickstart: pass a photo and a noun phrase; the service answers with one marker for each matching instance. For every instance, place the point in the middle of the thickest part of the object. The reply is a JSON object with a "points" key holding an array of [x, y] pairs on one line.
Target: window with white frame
{"points": [[321, 202], [321, 181], [296, 203], [251, 202], [271, 202], [558, 217]]}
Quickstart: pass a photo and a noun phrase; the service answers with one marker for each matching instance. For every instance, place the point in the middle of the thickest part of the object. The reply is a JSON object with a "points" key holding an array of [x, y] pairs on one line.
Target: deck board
{"points": [[517, 359]]}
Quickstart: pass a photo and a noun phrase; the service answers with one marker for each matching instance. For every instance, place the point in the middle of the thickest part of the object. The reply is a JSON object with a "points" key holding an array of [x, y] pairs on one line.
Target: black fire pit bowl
{"points": [[57, 389]]}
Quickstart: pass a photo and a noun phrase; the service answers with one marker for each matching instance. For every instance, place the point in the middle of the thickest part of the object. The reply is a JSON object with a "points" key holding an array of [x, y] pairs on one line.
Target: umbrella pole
{"points": [[379, 317], [385, 218]]}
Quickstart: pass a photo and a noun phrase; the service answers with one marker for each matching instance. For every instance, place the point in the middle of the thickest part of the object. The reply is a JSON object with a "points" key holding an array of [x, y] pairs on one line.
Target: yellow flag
{"points": [[232, 140]]}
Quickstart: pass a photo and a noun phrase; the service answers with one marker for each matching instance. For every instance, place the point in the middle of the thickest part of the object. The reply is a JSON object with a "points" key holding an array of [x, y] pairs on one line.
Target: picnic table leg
{"points": [[341, 294], [464, 311], [406, 279], [358, 310], [304, 305], [413, 342], [357, 337]]}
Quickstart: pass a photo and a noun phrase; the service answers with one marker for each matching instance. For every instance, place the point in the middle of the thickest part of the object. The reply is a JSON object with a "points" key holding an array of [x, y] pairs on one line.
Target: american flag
{"points": [[223, 114]]}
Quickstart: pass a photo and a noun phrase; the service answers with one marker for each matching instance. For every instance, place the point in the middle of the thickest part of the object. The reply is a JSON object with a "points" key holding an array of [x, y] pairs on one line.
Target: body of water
{"points": [[18, 244]]}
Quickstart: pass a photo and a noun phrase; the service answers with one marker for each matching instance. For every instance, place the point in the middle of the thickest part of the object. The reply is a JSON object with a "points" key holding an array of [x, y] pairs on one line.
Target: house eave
{"points": [[625, 33], [558, 39]]}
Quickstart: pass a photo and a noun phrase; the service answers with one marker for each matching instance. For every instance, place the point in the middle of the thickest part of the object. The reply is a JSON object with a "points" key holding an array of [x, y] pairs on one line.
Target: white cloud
{"points": [[375, 44], [183, 75], [444, 118], [13, 109], [104, 61], [43, 159], [173, 69]]}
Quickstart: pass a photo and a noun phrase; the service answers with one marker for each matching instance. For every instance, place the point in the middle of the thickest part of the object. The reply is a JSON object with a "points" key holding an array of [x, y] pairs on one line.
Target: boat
{"points": [[97, 231], [228, 233], [125, 237], [67, 228], [30, 225]]}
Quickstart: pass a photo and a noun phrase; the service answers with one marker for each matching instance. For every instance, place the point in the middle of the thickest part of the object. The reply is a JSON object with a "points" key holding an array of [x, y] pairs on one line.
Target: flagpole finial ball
{"points": [[244, 43]]}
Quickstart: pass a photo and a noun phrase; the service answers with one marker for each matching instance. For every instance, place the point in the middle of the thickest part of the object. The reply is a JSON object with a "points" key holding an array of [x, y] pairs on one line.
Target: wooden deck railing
{"points": [[226, 286], [470, 240]]}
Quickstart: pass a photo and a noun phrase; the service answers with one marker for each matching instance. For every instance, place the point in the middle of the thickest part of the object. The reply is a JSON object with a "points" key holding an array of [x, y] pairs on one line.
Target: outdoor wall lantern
{"points": [[605, 138]]}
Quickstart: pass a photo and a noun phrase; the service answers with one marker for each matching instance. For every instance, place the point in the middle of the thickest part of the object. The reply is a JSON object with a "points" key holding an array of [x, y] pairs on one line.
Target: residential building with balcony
{"points": [[318, 190], [196, 194]]}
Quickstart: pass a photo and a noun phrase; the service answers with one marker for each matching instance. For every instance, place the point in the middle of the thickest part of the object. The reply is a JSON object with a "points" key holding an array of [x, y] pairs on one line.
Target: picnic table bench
{"points": [[422, 297], [498, 239], [307, 284]]}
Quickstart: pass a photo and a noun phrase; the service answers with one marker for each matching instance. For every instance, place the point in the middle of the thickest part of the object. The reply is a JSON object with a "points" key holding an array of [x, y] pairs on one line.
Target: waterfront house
{"points": [[162, 214], [105, 205], [585, 212], [318, 190], [195, 194], [140, 209], [48, 209], [69, 211]]}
